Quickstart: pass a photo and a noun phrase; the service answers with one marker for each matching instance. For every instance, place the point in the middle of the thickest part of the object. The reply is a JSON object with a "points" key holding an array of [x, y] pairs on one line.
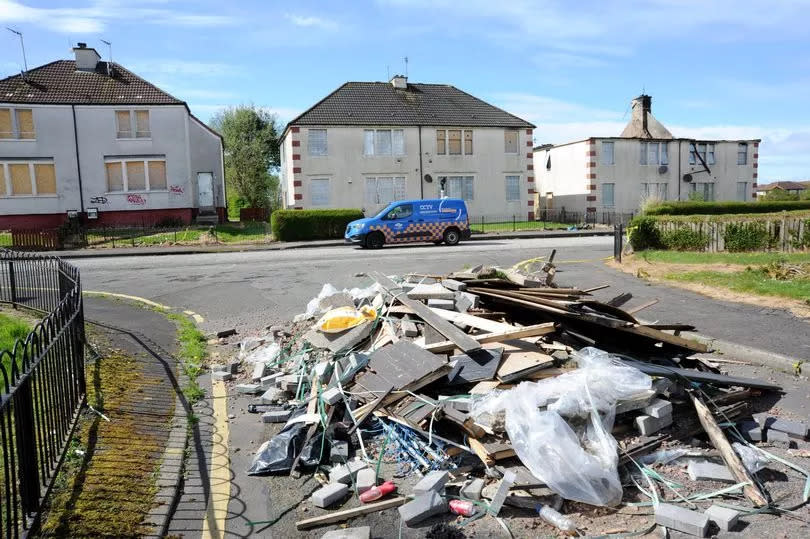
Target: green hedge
{"points": [[298, 225], [644, 234], [746, 237], [719, 208], [684, 239]]}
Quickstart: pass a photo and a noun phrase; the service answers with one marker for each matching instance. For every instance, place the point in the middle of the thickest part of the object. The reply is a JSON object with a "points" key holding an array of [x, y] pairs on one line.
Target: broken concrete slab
{"points": [[795, 429], [289, 382], [273, 395], [276, 416], [329, 494], [472, 489], [409, 328], [723, 517], [433, 481], [681, 519], [452, 284], [422, 507], [331, 396], [430, 292], [366, 478], [249, 389], [778, 438], [658, 408], [337, 342], [648, 425], [709, 471], [509, 478], [448, 304], [750, 430], [259, 370], [360, 532], [340, 452], [221, 376], [346, 473]]}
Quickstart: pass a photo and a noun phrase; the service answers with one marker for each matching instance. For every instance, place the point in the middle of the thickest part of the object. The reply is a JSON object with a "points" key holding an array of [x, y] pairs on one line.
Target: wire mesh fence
{"points": [[546, 219]]}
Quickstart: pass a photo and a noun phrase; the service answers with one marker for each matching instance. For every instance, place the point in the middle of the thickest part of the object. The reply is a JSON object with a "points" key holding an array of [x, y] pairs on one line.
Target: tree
{"points": [[251, 138], [779, 194]]}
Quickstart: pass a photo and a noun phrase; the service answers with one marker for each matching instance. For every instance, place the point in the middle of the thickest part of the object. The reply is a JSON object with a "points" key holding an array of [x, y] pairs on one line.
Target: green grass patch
{"points": [[750, 281], [139, 237], [11, 330], [192, 353], [509, 226], [5, 239], [678, 257]]}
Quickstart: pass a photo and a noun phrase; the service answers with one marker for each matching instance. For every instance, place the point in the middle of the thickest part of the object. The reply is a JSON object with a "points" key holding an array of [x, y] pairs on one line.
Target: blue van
{"points": [[404, 221]]}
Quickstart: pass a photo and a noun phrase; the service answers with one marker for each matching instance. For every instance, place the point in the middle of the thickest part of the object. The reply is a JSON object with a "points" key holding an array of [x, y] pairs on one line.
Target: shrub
{"points": [[644, 233], [801, 241], [296, 225], [684, 239], [746, 237], [719, 208]]}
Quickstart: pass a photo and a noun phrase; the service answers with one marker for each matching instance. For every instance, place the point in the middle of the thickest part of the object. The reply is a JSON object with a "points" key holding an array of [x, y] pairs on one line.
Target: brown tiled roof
{"points": [[786, 185], [379, 103], [60, 83]]}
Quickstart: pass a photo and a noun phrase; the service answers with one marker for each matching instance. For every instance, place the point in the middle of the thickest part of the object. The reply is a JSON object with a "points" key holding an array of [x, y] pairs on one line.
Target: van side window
{"points": [[400, 212]]}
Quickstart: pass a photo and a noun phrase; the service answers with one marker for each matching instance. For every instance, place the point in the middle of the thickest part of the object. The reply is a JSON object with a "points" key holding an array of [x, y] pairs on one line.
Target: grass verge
{"points": [[743, 259], [749, 281], [224, 233], [510, 226], [191, 354], [12, 329]]}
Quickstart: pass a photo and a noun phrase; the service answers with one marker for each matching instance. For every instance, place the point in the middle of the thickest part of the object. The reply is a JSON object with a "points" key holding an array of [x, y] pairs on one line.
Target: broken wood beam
{"points": [[516, 333], [346, 514]]}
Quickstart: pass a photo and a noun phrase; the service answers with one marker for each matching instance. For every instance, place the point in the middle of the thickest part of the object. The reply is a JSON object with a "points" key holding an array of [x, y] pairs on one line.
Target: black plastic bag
{"points": [[278, 454]]}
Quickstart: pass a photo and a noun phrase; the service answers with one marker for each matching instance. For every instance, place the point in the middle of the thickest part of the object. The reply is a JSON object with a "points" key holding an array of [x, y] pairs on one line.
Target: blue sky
{"points": [[715, 68]]}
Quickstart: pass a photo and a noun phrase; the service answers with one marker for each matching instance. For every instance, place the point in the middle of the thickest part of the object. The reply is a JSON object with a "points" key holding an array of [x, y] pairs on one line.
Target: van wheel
{"points": [[451, 236], [375, 240]]}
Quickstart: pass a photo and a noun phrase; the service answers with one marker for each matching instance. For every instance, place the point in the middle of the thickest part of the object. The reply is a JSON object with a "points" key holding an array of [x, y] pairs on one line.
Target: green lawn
{"points": [[751, 281], [686, 257], [11, 329], [224, 233], [509, 226]]}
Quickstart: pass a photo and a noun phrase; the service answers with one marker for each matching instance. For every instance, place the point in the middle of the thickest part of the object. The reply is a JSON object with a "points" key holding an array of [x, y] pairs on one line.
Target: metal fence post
{"points": [[618, 233], [26, 447], [514, 223], [12, 284]]}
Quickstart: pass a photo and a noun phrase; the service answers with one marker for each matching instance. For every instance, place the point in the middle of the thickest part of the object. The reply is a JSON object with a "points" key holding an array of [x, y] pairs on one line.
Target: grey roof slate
{"points": [[379, 103]]}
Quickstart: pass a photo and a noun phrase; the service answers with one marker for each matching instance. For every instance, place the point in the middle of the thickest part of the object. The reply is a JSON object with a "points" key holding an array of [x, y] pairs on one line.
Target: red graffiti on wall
{"points": [[176, 189], [135, 199]]}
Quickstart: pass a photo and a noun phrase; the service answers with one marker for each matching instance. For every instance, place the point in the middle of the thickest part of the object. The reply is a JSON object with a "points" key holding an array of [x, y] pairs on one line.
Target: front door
{"points": [[205, 190]]}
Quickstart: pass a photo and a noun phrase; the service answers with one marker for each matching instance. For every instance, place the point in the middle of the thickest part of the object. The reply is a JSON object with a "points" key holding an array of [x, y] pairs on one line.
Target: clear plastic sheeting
{"points": [[752, 459], [357, 294], [265, 354], [560, 428]]}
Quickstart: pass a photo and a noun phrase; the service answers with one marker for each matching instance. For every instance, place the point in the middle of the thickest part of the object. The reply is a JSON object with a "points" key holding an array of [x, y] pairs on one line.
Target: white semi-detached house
{"points": [[369, 143], [606, 175], [90, 139]]}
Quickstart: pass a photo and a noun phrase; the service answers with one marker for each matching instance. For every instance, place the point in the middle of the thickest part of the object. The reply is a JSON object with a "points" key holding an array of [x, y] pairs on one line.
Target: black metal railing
{"points": [[546, 219], [42, 384]]}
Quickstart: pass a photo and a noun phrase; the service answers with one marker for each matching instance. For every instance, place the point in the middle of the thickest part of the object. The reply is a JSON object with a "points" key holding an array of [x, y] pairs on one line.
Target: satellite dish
{"points": [[663, 169], [428, 178], [687, 178]]}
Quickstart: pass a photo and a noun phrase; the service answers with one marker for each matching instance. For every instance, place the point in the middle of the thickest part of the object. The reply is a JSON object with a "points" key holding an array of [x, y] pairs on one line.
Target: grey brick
{"points": [[681, 519], [259, 370], [346, 473], [724, 517], [472, 489], [276, 416], [709, 471], [340, 451], [648, 424], [248, 389], [434, 481], [448, 304], [750, 430], [331, 395], [331, 493], [366, 478], [452, 284], [658, 408], [273, 395], [422, 507], [222, 376]]}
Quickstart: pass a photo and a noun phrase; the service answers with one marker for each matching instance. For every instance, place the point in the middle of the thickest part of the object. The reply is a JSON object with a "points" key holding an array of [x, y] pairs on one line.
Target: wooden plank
{"points": [[346, 514], [475, 367], [490, 326], [482, 388], [643, 306], [517, 365], [731, 459], [459, 338], [698, 376], [516, 333]]}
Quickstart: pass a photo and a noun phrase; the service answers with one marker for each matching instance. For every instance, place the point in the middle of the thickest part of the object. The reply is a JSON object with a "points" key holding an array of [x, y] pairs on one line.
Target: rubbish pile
{"points": [[498, 387]]}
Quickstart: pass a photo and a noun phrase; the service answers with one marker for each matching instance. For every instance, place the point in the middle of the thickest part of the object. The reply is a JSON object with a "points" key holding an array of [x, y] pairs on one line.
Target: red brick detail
{"points": [[296, 170], [590, 176], [531, 216], [529, 155], [590, 164], [529, 143], [532, 191], [590, 209], [756, 145], [591, 153], [296, 143], [756, 165], [296, 157], [295, 129], [297, 183], [530, 179], [528, 131], [298, 196], [591, 198], [753, 195], [529, 167], [756, 156], [754, 185], [531, 203], [36, 221], [755, 175], [592, 187]]}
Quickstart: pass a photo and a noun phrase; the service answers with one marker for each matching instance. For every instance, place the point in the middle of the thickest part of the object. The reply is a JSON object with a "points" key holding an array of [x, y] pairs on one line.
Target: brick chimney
{"points": [[642, 123], [86, 57]]}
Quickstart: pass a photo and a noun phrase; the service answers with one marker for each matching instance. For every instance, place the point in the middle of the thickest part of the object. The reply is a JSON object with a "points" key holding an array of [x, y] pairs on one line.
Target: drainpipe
{"points": [[78, 163], [421, 179], [680, 179]]}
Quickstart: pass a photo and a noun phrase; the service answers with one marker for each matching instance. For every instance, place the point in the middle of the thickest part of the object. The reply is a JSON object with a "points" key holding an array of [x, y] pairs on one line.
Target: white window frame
{"points": [[145, 161], [744, 186], [460, 178], [373, 153], [325, 142], [312, 201], [515, 177], [742, 150], [661, 152], [399, 189], [15, 124], [704, 189], [31, 176], [707, 152], [447, 141], [505, 132], [612, 195], [133, 124], [659, 189], [604, 153]]}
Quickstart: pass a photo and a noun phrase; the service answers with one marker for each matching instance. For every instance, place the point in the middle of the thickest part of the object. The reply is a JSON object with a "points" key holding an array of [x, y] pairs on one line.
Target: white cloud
{"points": [[311, 22]]}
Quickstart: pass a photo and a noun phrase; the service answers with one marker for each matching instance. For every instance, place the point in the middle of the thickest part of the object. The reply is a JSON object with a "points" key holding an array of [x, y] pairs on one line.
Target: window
{"points": [[705, 150], [454, 142], [135, 174], [20, 178], [608, 193], [384, 190], [132, 124], [513, 188], [742, 191], [459, 187], [704, 191], [655, 190], [400, 212], [654, 153], [742, 153], [319, 192], [511, 140], [607, 153], [17, 124], [384, 142], [316, 142]]}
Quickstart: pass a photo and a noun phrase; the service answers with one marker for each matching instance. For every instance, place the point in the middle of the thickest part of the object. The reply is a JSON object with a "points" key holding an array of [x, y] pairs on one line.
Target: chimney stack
{"points": [[86, 57], [399, 81]]}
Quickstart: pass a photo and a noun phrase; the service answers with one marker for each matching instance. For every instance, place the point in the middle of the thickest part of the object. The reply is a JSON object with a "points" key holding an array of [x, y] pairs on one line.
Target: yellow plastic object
{"points": [[344, 318]]}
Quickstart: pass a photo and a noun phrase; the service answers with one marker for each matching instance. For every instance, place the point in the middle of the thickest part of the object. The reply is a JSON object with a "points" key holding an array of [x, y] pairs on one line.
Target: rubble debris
{"points": [[472, 489], [347, 473], [434, 481], [248, 389], [506, 483], [360, 532], [794, 429], [681, 519], [226, 333], [778, 438], [723, 517], [346, 514], [329, 494], [750, 430], [366, 479], [422, 507], [221, 376], [709, 471]]}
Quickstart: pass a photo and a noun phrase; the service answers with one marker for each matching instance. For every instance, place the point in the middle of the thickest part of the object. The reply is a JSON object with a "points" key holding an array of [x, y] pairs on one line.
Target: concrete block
{"points": [[331, 395], [452, 284], [472, 489], [233, 366], [222, 376], [509, 478], [430, 292], [366, 478], [346, 473], [248, 389], [681, 519], [448, 304], [273, 395], [665, 387], [422, 507], [409, 328], [778, 439], [433, 481], [361, 532], [270, 380], [259, 370], [648, 425], [323, 371], [340, 452], [794, 429], [658, 408], [289, 382], [724, 517], [218, 367], [331, 493], [276, 416], [750, 430], [703, 470]]}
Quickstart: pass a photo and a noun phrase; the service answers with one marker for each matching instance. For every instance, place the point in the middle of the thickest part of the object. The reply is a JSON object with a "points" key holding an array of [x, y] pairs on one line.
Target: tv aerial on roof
{"points": [[22, 46]]}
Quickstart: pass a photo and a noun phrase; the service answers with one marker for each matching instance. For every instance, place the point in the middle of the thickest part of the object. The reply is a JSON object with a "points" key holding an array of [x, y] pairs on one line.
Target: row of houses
{"points": [[90, 140]]}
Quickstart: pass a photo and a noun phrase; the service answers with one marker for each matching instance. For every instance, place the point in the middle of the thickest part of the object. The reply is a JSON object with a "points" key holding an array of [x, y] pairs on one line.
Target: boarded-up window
{"points": [[142, 124], [468, 147], [510, 137], [2, 180], [157, 175], [441, 146], [454, 141], [115, 177], [123, 124], [20, 179], [319, 191], [513, 188], [316, 142], [25, 124], [6, 130], [45, 178], [136, 176]]}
